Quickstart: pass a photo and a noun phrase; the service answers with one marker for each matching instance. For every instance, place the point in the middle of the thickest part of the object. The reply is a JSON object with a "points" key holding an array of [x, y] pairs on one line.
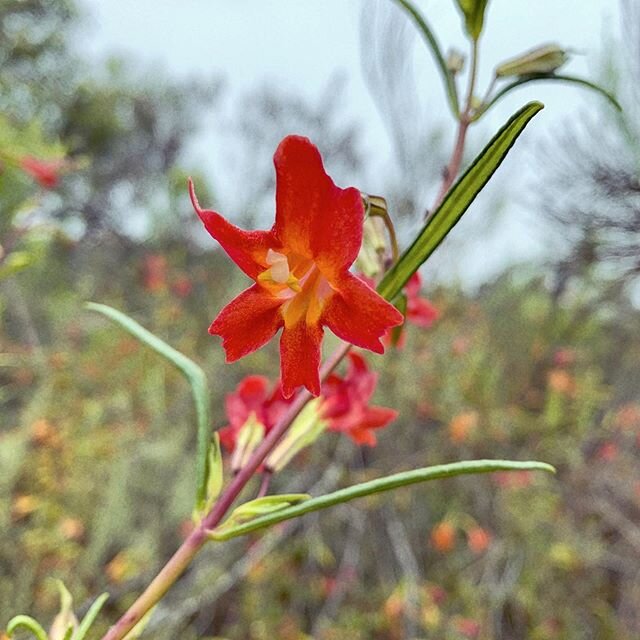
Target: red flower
{"points": [[345, 400], [301, 271], [251, 399], [44, 172], [420, 311]]}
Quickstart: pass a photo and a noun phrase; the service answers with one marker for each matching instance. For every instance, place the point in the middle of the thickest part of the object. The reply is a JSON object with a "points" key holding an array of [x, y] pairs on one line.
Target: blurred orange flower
{"points": [[478, 539], [443, 537], [561, 382], [462, 426]]}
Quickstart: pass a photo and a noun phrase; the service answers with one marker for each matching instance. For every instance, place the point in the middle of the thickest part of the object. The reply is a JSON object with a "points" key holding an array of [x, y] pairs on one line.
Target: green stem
{"points": [[542, 77], [430, 39]]}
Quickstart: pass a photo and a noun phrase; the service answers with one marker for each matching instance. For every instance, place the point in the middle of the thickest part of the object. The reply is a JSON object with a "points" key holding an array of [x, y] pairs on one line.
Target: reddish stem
{"points": [[190, 547], [196, 539], [452, 169], [264, 485]]}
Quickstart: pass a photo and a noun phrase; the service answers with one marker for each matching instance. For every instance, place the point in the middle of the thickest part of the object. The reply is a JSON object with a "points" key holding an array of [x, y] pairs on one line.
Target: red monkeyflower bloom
{"points": [[344, 403], [301, 271], [420, 311], [45, 172], [251, 400]]}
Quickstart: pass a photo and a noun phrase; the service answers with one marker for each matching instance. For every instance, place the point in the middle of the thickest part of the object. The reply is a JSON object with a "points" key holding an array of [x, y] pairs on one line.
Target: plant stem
{"points": [[465, 119], [264, 484], [196, 539]]}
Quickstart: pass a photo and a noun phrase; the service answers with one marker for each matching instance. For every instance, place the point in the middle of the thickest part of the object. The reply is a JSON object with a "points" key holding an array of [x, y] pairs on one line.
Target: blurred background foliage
{"points": [[97, 434]]}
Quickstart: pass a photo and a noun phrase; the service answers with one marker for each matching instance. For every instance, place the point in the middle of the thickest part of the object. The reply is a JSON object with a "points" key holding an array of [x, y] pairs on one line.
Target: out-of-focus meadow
{"points": [[97, 434]]}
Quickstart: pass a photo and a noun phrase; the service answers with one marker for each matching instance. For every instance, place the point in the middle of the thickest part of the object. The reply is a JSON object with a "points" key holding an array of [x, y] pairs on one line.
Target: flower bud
{"points": [[473, 12], [249, 437], [455, 61], [443, 536], [371, 257], [304, 431], [545, 59]]}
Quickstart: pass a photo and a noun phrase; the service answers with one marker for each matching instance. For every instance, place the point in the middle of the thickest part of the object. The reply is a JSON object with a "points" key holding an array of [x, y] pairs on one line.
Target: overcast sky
{"points": [[300, 44]]}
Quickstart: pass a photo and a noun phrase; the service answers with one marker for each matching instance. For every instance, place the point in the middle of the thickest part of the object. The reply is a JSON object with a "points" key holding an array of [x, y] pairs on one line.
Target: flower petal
{"points": [[413, 286], [337, 236], [228, 437], [421, 312], [363, 436], [357, 314], [374, 418], [314, 218], [250, 395], [253, 390], [377, 417], [300, 358], [248, 249], [248, 322]]}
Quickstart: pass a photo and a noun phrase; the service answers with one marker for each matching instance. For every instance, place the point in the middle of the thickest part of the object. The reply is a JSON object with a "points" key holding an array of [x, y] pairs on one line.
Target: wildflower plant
{"points": [[303, 281]]}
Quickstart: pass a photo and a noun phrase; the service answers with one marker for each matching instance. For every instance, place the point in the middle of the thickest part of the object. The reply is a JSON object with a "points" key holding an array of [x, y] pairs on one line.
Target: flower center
{"points": [[299, 283], [279, 273]]}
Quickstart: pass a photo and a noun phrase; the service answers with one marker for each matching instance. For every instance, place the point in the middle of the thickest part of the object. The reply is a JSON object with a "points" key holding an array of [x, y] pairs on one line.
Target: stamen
{"points": [[280, 272], [274, 256]]}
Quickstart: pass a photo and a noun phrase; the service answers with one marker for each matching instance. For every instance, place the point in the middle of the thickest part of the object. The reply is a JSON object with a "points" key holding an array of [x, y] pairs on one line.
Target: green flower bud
{"points": [[455, 61], [473, 12], [544, 59]]}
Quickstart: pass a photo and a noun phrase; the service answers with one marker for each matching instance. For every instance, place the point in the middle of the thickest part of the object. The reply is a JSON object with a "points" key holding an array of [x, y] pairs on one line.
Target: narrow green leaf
{"points": [[28, 623], [194, 375], [456, 202], [90, 617], [432, 43], [543, 77], [260, 507], [376, 486]]}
